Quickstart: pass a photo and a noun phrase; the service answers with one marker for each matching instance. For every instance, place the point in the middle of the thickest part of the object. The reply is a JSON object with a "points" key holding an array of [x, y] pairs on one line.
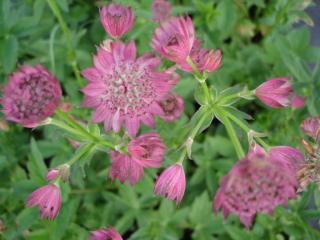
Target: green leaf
{"points": [[10, 47], [36, 165]]}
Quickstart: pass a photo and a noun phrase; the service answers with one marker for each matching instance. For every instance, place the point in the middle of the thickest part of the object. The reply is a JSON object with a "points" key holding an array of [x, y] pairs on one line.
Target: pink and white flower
{"points": [[174, 39], [203, 59], [172, 106], [105, 234], [116, 19], [275, 93], [125, 90], [255, 184], [31, 95], [161, 10], [124, 168], [311, 126], [48, 199], [147, 150], [171, 183]]}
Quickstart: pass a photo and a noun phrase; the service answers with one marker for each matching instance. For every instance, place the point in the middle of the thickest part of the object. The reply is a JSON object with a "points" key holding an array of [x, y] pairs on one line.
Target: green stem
{"points": [[236, 95], [246, 129], [201, 78], [79, 154], [71, 51], [231, 132]]}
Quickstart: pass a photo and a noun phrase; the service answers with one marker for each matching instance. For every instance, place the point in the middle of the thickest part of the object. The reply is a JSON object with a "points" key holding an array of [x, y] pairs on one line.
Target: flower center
{"points": [[128, 89]]}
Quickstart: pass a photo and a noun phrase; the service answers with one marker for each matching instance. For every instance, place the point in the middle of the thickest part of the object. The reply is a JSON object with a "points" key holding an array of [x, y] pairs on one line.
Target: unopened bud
{"points": [[307, 146]]}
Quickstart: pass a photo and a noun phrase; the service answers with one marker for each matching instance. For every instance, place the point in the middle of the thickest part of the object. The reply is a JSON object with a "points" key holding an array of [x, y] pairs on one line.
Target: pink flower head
{"points": [[297, 102], [161, 10], [116, 19], [255, 185], [311, 126], [204, 60], [172, 106], [125, 90], [147, 150], [48, 199], [31, 95], [171, 183], [275, 93], [105, 234], [125, 169], [290, 157], [174, 39]]}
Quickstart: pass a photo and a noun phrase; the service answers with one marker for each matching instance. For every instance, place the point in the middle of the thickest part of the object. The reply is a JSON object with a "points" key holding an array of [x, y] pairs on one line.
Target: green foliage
{"points": [[258, 41]]}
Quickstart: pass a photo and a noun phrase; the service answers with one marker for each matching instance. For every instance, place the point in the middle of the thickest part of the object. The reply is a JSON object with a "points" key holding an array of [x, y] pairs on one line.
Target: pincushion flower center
{"points": [[129, 90]]}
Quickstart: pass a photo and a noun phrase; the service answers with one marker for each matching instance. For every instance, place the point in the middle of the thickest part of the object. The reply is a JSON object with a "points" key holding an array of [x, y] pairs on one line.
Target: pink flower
{"points": [[254, 185], [172, 106], [116, 19], [161, 10], [124, 168], [124, 90], [275, 93], [52, 175], [31, 95], [311, 126], [171, 183], [147, 150], [174, 39], [297, 102], [48, 199], [105, 234], [204, 60], [290, 157]]}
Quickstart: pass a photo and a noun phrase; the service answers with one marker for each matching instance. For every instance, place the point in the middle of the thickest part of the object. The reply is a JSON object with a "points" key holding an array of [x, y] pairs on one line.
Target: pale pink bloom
{"points": [[31, 95], [311, 126], [147, 150], [254, 185], [124, 90], [52, 175], [161, 10], [290, 157], [174, 39], [172, 106], [171, 183], [297, 102], [48, 199], [124, 168], [116, 19], [275, 93], [105, 234], [203, 59]]}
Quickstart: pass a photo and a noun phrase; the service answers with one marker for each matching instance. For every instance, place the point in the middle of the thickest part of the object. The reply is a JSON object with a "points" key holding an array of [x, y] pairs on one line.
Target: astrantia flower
{"points": [[255, 185], [174, 39], [105, 234], [147, 150], [125, 90], [290, 157], [297, 102], [116, 19], [311, 126], [124, 168], [31, 95], [171, 183], [203, 59], [172, 106], [161, 10], [48, 199], [275, 93]]}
